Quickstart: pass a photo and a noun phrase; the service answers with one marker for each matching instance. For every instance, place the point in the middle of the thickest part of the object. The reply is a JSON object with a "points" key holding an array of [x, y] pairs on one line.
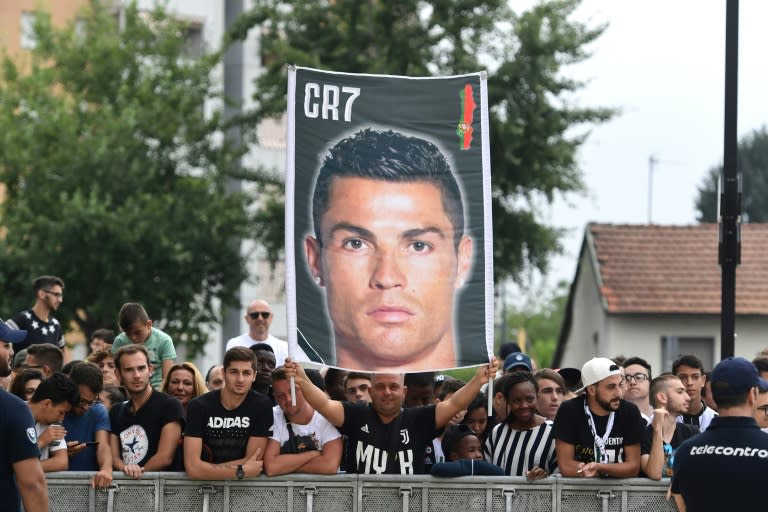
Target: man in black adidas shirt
{"points": [[227, 429], [599, 433], [384, 437]]}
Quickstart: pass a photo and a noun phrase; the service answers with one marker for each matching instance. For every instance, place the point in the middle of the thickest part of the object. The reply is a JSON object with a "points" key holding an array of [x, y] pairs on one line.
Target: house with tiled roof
{"points": [[654, 291]]}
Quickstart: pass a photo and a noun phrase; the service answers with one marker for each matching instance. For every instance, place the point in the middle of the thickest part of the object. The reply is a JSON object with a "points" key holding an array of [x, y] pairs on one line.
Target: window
{"points": [[672, 347], [28, 38]]}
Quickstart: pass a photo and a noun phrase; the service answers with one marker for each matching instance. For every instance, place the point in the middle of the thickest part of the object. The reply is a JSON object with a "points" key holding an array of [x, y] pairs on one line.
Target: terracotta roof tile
{"points": [[674, 269]]}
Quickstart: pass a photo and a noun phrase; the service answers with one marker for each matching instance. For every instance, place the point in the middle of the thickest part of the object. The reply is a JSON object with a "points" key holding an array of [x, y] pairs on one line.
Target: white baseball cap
{"points": [[597, 369]]}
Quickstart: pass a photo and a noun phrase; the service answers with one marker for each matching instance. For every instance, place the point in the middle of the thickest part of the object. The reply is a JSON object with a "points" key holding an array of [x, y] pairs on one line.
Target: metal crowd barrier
{"points": [[174, 492]]}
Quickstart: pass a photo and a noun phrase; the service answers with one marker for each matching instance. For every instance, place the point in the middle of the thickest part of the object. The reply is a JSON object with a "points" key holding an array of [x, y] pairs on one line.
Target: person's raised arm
{"points": [[332, 410], [31, 483], [461, 399]]}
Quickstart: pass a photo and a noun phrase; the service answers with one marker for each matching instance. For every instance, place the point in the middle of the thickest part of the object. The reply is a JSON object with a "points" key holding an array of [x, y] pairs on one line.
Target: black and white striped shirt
{"points": [[519, 451]]}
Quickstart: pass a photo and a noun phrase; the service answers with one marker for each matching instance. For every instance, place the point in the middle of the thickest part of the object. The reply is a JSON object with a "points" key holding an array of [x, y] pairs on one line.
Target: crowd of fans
{"points": [[131, 407]]}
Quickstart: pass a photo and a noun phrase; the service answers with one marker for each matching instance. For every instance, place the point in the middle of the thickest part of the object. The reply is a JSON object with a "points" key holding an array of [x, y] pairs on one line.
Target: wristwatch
{"points": [[240, 474]]}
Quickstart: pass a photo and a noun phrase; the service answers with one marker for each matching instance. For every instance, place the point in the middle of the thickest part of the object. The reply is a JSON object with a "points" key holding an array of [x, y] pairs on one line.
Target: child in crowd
{"points": [[137, 328], [464, 453]]}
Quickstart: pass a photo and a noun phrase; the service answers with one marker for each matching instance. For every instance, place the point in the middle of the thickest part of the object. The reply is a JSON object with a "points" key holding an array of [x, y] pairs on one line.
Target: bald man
{"points": [[259, 317]]}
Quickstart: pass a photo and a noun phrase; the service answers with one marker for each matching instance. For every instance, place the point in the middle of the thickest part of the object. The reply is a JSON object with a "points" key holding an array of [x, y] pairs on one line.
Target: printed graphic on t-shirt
{"points": [[374, 460], [135, 444]]}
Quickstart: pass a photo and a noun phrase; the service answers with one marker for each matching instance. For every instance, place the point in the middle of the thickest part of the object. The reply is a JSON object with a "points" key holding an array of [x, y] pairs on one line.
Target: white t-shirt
{"points": [[318, 431], [279, 346], [46, 451]]}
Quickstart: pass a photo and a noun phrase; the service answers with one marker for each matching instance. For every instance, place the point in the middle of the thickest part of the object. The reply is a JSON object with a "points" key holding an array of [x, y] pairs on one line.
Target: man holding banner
{"points": [[387, 228]]}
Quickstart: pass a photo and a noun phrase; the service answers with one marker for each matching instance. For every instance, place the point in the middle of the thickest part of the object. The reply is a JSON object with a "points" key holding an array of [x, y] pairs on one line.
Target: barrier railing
{"points": [[173, 492]]}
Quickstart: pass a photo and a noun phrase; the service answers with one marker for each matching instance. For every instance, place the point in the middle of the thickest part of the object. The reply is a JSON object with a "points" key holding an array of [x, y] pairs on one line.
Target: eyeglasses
{"points": [[32, 366], [88, 403], [763, 408], [255, 314], [638, 377], [58, 295]]}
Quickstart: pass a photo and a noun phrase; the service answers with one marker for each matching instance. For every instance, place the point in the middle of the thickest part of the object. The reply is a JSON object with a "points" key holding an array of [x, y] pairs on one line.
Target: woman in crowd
{"points": [[523, 445], [185, 382], [105, 360], [25, 384]]}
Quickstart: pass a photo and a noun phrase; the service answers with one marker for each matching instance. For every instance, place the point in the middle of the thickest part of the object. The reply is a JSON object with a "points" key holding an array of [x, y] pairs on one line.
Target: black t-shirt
{"points": [[724, 467], [682, 432], [225, 433], [397, 447], [38, 331], [139, 433], [571, 426]]}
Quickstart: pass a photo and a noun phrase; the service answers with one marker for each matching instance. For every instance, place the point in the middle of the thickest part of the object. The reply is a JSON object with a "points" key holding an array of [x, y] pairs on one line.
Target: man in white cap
{"points": [[598, 434], [724, 467]]}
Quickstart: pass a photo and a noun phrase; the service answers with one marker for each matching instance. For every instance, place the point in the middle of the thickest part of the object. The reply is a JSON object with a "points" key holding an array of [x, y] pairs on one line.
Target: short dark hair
{"points": [[240, 354], [356, 375], [97, 357], [257, 347], [130, 313], [453, 435], [20, 381], [88, 375], [316, 378], [58, 388], [689, 360], [393, 157], [47, 355], [508, 348], [549, 373], [659, 384], [420, 379], [724, 396], [761, 362], [68, 367], [108, 335], [639, 361], [208, 373], [43, 282], [129, 350], [116, 394], [279, 374], [450, 385], [518, 377]]}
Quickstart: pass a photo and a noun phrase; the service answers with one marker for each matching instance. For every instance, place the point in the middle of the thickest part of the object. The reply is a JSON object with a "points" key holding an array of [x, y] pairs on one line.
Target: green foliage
{"points": [[541, 317], [535, 130], [115, 178], [752, 164]]}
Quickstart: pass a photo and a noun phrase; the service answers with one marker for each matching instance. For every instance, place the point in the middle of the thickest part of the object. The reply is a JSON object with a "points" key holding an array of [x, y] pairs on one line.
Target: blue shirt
{"points": [[83, 428], [18, 441]]}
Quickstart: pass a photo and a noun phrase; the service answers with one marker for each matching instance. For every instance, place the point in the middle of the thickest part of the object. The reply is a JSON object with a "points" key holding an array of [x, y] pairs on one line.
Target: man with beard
{"points": [[227, 429], [384, 437], [146, 429], [598, 433], [665, 434], [38, 320], [20, 472]]}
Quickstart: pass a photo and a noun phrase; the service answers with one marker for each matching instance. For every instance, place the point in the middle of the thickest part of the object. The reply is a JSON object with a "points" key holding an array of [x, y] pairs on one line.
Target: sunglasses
{"points": [[255, 314]]}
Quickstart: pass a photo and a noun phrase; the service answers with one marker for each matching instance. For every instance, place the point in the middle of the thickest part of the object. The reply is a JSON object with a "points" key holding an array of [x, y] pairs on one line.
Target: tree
{"points": [[115, 178], [535, 129], [752, 164]]}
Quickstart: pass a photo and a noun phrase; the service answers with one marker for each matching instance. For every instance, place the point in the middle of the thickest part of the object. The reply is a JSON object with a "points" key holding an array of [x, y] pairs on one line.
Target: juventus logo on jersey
{"points": [[405, 437]]}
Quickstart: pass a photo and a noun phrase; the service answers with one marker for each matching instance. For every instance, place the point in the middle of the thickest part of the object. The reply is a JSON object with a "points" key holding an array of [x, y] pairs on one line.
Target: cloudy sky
{"points": [[662, 64]]}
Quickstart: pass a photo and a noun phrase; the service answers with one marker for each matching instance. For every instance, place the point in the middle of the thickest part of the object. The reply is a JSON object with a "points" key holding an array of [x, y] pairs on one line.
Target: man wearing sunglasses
{"points": [[259, 317], [38, 320]]}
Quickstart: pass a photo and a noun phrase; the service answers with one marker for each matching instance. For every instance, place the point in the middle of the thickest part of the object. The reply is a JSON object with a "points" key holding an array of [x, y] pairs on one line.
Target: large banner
{"points": [[388, 223]]}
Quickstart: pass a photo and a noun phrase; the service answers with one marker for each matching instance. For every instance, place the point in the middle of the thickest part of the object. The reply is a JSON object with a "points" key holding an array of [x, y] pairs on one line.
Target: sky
{"points": [[662, 64]]}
